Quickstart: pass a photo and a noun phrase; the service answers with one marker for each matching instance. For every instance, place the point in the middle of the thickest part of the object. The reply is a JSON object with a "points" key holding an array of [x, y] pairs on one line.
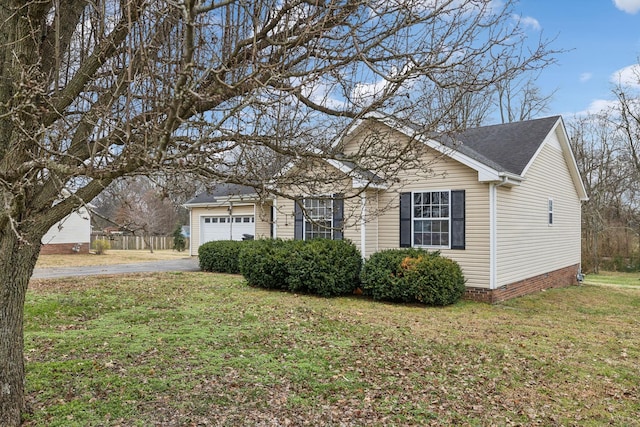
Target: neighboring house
{"points": [[504, 201], [70, 235]]}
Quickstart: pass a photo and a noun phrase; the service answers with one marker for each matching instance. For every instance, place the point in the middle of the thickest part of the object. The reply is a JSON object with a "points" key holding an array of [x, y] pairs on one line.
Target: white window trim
{"points": [[550, 215], [306, 217], [448, 246]]}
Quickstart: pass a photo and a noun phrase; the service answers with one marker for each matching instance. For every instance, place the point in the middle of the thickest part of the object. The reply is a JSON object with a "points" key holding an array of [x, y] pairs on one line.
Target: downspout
{"points": [[363, 221], [493, 231], [492, 237]]}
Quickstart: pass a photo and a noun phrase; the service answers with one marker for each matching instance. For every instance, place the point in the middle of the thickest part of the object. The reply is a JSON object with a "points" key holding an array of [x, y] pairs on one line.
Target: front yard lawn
{"points": [[181, 349]]}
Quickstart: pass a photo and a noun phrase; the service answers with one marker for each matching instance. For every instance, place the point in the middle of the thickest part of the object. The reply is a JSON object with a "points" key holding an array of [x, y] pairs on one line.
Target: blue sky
{"points": [[601, 37]]}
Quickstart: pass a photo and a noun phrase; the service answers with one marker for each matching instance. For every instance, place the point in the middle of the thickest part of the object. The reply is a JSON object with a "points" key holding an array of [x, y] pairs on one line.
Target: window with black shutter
{"points": [[433, 219], [319, 218]]}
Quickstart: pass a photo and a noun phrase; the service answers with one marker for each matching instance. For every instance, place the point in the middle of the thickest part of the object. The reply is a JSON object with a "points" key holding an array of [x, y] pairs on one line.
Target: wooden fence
{"points": [[138, 243]]}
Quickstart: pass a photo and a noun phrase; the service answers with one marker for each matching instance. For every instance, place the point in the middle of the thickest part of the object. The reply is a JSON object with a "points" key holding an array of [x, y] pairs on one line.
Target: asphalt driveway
{"points": [[183, 264]]}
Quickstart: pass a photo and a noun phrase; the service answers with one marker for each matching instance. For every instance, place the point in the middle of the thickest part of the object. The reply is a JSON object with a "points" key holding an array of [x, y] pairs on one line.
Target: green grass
{"points": [[205, 349], [613, 278]]}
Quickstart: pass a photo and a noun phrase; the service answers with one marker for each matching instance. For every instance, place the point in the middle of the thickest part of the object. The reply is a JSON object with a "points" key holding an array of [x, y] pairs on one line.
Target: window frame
{"points": [[308, 219], [550, 211], [337, 216], [440, 219]]}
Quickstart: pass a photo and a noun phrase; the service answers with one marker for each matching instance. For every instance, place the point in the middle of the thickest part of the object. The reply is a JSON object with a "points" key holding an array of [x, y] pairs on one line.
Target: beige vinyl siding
{"points": [[447, 174], [285, 218], [372, 223], [526, 244], [263, 220]]}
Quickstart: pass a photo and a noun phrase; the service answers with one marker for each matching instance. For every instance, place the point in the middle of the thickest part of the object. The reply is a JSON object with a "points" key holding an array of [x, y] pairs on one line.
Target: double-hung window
{"points": [[433, 219], [318, 222], [319, 217]]}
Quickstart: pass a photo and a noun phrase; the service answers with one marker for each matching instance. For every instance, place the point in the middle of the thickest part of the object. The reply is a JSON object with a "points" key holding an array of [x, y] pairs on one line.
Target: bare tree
{"points": [[627, 111], [140, 206], [148, 205], [520, 99], [610, 216], [94, 90]]}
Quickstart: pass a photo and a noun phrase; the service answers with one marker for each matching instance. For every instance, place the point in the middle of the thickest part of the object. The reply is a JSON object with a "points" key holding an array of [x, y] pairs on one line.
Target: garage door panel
{"points": [[224, 228]]}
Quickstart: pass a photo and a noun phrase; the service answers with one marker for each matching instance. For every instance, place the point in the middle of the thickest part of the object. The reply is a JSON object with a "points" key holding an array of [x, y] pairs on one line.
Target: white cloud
{"points": [[627, 76], [585, 77], [365, 93], [529, 22], [628, 6], [601, 105]]}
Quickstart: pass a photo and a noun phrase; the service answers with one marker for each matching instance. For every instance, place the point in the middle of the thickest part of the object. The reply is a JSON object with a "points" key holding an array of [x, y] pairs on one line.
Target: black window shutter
{"points": [[457, 219], [298, 220], [338, 216], [272, 221], [405, 220]]}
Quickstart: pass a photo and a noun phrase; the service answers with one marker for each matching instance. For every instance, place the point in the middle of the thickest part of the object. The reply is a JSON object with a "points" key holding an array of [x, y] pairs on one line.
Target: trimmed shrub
{"points": [[434, 280], [324, 267], [220, 256], [383, 277], [263, 263], [412, 275]]}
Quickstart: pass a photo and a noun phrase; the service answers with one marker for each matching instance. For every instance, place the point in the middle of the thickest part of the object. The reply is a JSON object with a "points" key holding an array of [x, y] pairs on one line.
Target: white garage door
{"points": [[225, 228]]}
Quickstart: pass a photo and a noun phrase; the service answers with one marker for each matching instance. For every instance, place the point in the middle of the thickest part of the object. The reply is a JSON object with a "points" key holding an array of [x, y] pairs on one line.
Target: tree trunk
{"points": [[17, 261]]}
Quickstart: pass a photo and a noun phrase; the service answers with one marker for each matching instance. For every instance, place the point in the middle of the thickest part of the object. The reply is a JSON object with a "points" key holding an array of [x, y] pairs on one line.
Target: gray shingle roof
{"points": [[222, 190], [506, 147]]}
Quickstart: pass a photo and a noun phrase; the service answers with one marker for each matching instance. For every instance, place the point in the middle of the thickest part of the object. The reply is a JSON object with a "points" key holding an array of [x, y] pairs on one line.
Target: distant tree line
{"points": [[607, 149]]}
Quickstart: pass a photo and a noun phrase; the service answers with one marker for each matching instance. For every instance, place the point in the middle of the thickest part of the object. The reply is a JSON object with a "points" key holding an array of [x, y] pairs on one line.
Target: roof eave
{"points": [[222, 201]]}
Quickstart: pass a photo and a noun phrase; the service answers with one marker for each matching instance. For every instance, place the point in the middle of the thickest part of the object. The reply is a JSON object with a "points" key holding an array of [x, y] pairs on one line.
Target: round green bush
{"points": [[383, 277], [435, 281], [263, 263], [412, 275], [324, 267], [220, 256]]}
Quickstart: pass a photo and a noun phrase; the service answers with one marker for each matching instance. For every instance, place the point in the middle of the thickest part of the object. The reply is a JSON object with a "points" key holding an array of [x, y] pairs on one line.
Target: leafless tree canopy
{"points": [[606, 148], [95, 90], [229, 90]]}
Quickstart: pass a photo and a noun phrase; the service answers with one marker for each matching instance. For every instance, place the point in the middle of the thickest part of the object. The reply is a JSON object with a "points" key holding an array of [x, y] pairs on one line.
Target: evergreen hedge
{"points": [[220, 256], [334, 267], [263, 263], [323, 267]]}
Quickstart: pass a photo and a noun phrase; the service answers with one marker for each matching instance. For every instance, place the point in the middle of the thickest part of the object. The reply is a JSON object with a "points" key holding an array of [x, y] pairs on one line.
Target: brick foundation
{"points": [[63, 248], [553, 279]]}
